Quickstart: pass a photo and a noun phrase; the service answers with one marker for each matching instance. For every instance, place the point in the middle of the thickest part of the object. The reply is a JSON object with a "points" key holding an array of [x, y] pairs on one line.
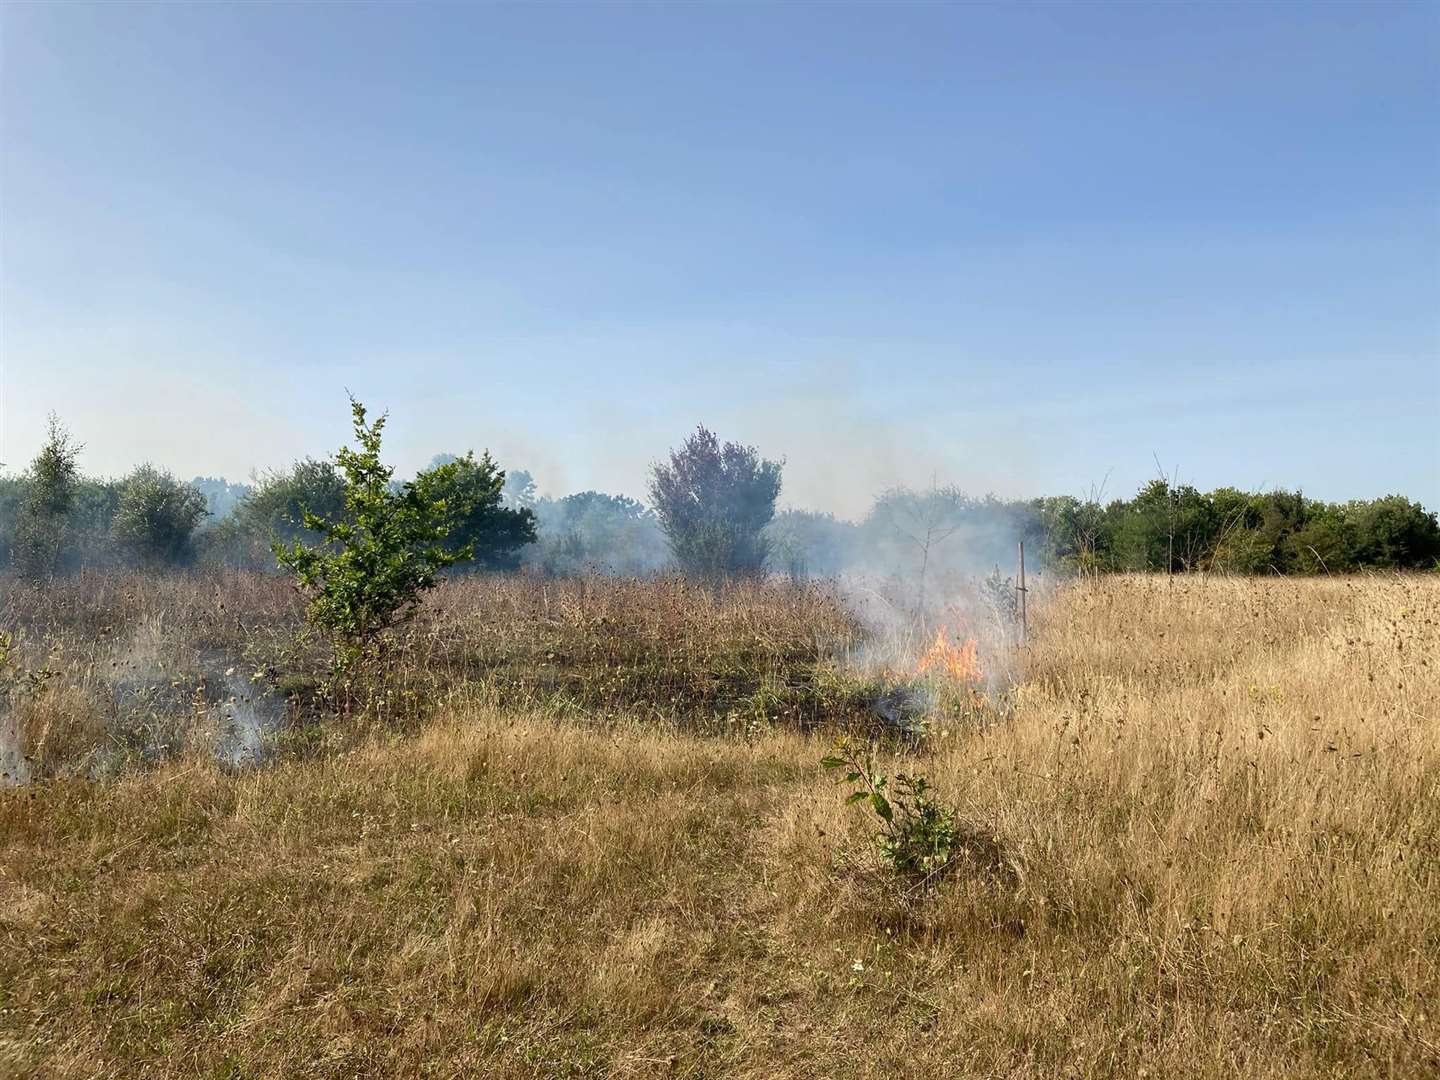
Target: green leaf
{"points": [[830, 761], [851, 800], [881, 806]]}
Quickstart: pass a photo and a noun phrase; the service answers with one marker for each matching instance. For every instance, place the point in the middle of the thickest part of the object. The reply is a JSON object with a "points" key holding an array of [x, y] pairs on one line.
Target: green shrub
{"points": [[12, 497], [1394, 532], [1243, 551], [156, 516], [919, 836], [374, 561], [49, 494], [478, 524], [276, 508]]}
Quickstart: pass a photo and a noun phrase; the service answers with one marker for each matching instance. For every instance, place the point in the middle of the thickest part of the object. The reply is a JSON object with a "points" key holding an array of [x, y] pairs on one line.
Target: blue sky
{"points": [[1016, 248]]}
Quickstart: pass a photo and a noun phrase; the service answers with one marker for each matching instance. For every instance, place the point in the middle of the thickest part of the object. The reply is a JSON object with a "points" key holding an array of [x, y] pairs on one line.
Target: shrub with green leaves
{"points": [[48, 495], [478, 522], [276, 508], [373, 562], [272, 511], [156, 516], [919, 836]]}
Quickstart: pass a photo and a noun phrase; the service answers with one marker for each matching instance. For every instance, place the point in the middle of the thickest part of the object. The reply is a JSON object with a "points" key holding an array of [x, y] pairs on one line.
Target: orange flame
{"points": [[959, 662]]}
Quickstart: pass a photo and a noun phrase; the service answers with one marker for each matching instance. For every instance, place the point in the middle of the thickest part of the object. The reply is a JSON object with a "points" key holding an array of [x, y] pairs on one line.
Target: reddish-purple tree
{"points": [[714, 502]]}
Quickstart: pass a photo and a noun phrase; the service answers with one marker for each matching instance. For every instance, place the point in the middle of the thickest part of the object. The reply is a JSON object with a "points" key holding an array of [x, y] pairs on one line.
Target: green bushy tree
{"points": [[374, 561], [1393, 533], [479, 525], [1169, 528], [273, 510], [1243, 551], [156, 515], [1323, 543], [49, 494], [277, 507], [1065, 536], [1239, 547], [92, 541]]}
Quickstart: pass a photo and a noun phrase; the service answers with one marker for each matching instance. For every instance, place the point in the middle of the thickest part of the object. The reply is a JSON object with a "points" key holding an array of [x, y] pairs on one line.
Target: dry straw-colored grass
{"points": [[140, 663], [1221, 800]]}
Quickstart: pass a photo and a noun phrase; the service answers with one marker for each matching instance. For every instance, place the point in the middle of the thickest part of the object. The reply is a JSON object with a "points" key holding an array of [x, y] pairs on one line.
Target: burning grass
{"points": [[139, 669], [1219, 802], [957, 662]]}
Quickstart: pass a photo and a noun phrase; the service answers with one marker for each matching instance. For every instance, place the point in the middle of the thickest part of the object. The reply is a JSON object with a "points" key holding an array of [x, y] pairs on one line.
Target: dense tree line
{"points": [[1162, 528], [712, 513], [1178, 528], [54, 520]]}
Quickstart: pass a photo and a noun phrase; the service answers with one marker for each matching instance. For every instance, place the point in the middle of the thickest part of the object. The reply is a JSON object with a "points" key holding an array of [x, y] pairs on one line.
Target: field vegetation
{"points": [[714, 510], [582, 829]]}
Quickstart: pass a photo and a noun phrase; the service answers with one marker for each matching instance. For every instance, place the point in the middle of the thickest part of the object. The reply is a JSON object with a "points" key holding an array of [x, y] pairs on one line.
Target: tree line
{"points": [[1163, 528], [711, 513]]}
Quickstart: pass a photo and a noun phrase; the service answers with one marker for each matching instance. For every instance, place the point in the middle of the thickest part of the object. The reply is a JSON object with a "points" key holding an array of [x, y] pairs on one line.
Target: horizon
{"points": [[1016, 250], [1098, 494]]}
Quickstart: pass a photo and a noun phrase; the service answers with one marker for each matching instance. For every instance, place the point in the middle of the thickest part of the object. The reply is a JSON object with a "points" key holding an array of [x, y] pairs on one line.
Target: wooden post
{"points": [[1020, 588]]}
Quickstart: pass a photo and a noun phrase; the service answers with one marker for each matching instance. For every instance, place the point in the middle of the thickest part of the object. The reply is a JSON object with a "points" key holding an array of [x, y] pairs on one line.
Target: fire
{"points": [[959, 662]]}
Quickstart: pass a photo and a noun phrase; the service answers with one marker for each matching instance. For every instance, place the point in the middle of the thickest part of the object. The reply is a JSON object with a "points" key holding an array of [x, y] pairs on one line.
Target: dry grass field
{"points": [[583, 832]]}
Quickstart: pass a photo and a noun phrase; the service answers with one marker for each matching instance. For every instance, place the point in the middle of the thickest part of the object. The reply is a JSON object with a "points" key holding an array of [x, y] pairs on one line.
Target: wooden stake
{"points": [[1020, 588]]}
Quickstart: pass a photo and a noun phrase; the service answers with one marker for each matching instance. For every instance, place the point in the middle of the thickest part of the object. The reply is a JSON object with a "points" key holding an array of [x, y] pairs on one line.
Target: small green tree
{"points": [[478, 521], [12, 498], [276, 508], [156, 516], [49, 494], [1325, 543], [376, 560], [1243, 551], [271, 511]]}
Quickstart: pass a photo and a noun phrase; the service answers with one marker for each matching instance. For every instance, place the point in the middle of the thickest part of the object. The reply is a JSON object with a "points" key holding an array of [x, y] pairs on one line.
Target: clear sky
{"points": [[1014, 247]]}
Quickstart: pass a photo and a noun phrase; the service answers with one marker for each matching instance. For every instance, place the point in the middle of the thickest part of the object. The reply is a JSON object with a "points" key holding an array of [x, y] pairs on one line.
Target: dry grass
{"points": [[143, 664], [1222, 798]]}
